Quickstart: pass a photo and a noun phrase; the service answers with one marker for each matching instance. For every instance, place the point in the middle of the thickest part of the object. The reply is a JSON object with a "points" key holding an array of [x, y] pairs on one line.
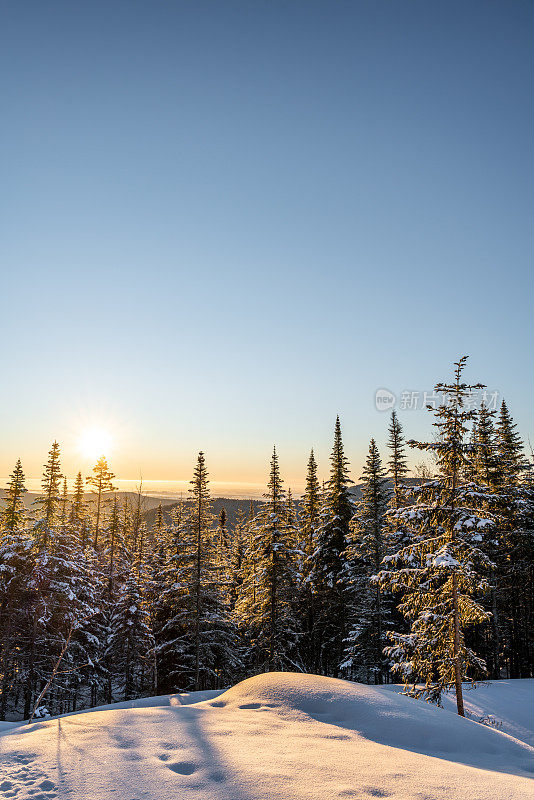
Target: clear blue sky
{"points": [[224, 222]]}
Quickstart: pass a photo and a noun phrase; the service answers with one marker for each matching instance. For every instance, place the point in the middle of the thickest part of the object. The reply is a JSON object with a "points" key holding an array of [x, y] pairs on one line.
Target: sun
{"points": [[94, 442]]}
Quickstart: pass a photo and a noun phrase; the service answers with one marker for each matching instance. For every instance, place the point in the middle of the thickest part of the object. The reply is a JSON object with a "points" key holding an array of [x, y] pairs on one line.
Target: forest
{"points": [[424, 579]]}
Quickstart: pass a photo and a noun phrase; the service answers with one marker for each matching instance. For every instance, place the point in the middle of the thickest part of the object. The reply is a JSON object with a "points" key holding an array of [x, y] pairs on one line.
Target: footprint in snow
{"points": [[183, 767]]}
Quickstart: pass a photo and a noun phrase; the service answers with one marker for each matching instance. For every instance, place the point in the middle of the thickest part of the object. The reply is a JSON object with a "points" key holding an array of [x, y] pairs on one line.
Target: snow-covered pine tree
{"points": [[517, 543], [160, 551], [168, 610], [200, 524], [13, 516], [70, 609], [130, 648], [483, 469], [158, 555], [16, 606], [196, 638], [442, 570], [328, 562], [369, 609], [310, 520], [266, 606], [244, 587], [112, 566]]}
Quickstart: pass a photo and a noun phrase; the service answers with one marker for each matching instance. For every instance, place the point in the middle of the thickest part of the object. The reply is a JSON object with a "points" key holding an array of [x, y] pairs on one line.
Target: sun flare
{"points": [[94, 442]]}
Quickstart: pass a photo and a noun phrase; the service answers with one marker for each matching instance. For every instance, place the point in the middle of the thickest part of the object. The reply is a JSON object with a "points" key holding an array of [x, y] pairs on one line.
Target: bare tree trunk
{"points": [[456, 650]]}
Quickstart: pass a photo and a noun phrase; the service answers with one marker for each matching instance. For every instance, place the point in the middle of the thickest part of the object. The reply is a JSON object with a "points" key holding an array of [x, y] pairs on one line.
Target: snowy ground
{"points": [[280, 736]]}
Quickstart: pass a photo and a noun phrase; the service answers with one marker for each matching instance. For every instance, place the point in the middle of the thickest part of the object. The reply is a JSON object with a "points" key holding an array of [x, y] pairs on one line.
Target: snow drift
{"points": [[280, 736], [381, 716]]}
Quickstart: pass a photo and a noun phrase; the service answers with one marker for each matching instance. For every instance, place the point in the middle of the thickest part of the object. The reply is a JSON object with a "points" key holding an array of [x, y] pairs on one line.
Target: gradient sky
{"points": [[222, 223]]}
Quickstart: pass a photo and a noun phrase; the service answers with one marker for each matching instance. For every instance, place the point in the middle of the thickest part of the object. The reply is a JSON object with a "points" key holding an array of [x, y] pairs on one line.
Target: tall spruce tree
{"points": [[442, 571], [328, 562], [13, 514], [369, 610], [266, 606], [196, 638], [49, 502], [310, 521], [517, 546], [397, 464]]}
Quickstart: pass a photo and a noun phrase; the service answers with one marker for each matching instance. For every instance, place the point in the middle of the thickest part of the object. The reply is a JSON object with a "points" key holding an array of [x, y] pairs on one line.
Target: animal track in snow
{"points": [[26, 778]]}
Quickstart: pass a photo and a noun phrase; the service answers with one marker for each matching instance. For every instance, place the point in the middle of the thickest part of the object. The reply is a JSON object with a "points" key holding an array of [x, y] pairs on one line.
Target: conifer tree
{"points": [[369, 611], [397, 463], [266, 607], [201, 522], [78, 511], [310, 520], [16, 604], [13, 513], [131, 643], [159, 524], [483, 469], [328, 561], [196, 639], [64, 502], [171, 611], [49, 503], [68, 608], [442, 570], [517, 547], [311, 508], [485, 458], [101, 481], [510, 448]]}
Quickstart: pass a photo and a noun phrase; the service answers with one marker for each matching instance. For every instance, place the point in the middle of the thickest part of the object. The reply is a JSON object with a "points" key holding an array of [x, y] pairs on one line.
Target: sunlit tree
{"points": [[101, 481]]}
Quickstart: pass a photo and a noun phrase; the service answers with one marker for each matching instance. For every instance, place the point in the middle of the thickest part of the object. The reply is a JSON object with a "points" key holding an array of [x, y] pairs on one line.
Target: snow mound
{"points": [[381, 716], [280, 736]]}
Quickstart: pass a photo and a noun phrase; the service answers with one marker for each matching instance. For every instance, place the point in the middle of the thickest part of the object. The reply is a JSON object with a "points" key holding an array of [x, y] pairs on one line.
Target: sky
{"points": [[223, 223]]}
